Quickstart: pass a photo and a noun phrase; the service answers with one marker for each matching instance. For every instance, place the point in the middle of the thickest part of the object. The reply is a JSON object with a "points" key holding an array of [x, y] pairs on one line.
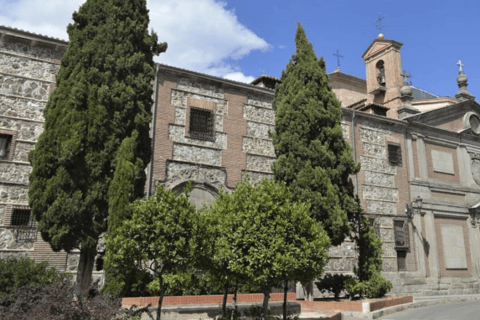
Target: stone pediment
{"points": [[462, 117], [379, 46]]}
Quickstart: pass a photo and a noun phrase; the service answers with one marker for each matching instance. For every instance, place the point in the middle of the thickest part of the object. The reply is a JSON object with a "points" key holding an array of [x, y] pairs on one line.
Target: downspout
{"points": [[354, 149], [152, 131]]}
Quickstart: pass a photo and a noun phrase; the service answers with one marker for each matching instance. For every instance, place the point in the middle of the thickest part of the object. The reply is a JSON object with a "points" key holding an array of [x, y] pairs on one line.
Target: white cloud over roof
{"points": [[202, 35]]}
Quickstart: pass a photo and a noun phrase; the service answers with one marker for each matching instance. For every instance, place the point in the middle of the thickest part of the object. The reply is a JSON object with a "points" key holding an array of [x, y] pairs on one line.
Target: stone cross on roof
{"points": [[405, 76], [379, 22], [338, 57], [460, 64]]}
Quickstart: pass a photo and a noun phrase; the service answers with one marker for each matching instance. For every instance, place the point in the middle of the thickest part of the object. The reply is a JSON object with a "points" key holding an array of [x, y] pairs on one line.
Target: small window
{"points": [[381, 73], [402, 238], [395, 155], [402, 260], [24, 227], [5, 142], [201, 124]]}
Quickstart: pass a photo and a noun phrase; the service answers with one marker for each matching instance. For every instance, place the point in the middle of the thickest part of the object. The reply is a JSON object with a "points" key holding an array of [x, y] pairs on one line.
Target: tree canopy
{"points": [[312, 156], [103, 94]]}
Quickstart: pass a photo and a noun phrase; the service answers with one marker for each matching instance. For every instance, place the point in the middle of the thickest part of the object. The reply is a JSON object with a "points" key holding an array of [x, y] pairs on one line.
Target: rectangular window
{"points": [[5, 143], [201, 124], [402, 238], [395, 155], [402, 260], [23, 226]]}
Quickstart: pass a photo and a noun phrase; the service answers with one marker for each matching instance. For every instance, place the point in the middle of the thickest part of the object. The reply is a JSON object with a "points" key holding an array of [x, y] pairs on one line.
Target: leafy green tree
{"points": [[161, 233], [312, 156], [266, 238], [16, 273], [103, 93], [126, 186]]}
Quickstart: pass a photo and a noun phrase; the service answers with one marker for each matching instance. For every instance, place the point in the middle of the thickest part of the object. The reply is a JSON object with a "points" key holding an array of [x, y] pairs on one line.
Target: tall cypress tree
{"points": [[312, 156], [103, 93]]}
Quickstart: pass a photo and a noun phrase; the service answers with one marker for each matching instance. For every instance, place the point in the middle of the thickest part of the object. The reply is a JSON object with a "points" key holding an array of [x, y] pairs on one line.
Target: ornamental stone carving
{"points": [[178, 173], [476, 167]]}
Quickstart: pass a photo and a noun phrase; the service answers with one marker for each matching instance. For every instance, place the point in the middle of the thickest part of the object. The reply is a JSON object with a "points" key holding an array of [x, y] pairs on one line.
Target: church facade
{"points": [[420, 156]]}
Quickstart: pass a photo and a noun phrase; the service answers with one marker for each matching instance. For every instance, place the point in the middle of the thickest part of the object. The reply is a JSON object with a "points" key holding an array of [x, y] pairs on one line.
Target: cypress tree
{"points": [[312, 156], [103, 93]]}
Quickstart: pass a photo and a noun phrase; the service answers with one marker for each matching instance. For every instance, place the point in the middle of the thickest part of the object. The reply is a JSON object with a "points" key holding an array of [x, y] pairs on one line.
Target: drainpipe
{"points": [[152, 131], [354, 149]]}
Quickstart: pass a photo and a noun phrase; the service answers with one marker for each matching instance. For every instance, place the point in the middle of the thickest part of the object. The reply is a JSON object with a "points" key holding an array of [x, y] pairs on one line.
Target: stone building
{"points": [[420, 155]]}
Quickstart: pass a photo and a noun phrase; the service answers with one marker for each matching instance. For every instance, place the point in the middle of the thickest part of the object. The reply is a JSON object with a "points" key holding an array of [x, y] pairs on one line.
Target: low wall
{"points": [[357, 306], [209, 299]]}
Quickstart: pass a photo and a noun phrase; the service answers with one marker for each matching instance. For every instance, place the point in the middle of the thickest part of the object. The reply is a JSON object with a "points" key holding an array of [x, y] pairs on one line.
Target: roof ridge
{"points": [[33, 33]]}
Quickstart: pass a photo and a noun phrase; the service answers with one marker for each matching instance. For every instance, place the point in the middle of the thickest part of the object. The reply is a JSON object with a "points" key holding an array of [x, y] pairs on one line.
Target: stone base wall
{"points": [[412, 283]]}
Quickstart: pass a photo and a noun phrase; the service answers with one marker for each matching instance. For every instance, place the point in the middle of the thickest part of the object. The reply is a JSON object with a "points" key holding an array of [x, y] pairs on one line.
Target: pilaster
{"points": [[431, 236]]}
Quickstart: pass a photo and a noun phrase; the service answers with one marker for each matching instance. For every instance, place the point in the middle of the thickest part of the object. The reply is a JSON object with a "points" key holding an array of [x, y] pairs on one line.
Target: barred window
{"points": [[201, 124], [24, 227], [402, 238], [5, 142], [395, 155]]}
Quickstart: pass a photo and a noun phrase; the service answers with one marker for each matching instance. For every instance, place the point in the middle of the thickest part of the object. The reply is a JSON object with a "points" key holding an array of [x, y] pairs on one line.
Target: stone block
{"points": [[442, 162], [257, 176], [372, 136], [380, 193], [14, 173], [197, 154], [258, 146], [15, 194], [260, 100], [259, 163], [374, 150], [26, 130], [21, 151], [259, 130], [26, 67], [379, 179], [11, 85], [180, 116], [29, 50], [21, 108], [178, 173], [200, 88], [345, 130], [177, 134], [258, 114], [374, 164]]}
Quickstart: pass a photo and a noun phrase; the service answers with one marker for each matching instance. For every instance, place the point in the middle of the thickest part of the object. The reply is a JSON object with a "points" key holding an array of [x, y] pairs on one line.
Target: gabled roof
{"points": [[378, 45]]}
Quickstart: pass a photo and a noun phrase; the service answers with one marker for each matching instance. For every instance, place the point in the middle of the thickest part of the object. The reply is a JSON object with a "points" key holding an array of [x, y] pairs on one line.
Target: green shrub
{"points": [[16, 273], [333, 283], [376, 287]]}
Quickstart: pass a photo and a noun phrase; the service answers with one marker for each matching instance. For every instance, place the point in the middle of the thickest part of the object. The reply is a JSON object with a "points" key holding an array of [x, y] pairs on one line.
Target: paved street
{"points": [[454, 311]]}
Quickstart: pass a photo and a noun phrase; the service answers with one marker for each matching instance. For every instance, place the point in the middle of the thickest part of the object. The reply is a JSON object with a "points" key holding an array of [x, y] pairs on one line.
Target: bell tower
{"points": [[384, 80]]}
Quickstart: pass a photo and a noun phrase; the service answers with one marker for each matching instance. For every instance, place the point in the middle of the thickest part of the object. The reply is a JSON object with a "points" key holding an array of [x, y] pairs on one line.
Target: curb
{"points": [[417, 304]]}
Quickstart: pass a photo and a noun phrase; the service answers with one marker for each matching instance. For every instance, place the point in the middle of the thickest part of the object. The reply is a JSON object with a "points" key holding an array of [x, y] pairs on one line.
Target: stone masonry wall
{"points": [[27, 75]]}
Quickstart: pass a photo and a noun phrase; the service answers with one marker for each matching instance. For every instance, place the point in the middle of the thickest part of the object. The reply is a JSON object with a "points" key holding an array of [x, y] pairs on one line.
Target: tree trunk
{"points": [[224, 302], [266, 296], [234, 302], [85, 269], [285, 290], [160, 299]]}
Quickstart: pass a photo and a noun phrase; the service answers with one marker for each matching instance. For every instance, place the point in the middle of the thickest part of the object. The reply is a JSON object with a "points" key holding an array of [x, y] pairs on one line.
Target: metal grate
{"points": [[24, 227], [402, 238], [395, 155], [5, 141], [402, 260], [201, 124]]}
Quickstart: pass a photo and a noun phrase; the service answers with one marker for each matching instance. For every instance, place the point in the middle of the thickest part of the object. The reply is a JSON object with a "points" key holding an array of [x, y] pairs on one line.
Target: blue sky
{"points": [[242, 39]]}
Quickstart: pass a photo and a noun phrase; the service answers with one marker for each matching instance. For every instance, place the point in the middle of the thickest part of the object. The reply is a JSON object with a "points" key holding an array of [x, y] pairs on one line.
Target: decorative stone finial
{"points": [[381, 36], [462, 79], [406, 95]]}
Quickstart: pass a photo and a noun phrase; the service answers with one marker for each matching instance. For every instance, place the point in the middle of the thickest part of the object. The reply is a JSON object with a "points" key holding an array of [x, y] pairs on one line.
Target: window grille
{"points": [[395, 155], [5, 141], [402, 260], [23, 226], [402, 238], [201, 124]]}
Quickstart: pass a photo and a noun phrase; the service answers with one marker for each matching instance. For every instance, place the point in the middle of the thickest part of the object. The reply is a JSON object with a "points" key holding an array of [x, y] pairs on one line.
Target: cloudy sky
{"points": [[242, 39]]}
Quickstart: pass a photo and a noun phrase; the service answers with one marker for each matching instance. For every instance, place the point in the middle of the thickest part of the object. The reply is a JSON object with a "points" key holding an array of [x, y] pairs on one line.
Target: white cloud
{"points": [[281, 46], [240, 77], [202, 35]]}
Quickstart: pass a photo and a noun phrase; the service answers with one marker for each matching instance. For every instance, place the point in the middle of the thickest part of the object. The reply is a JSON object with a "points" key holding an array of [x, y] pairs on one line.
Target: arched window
{"points": [[381, 73]]}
